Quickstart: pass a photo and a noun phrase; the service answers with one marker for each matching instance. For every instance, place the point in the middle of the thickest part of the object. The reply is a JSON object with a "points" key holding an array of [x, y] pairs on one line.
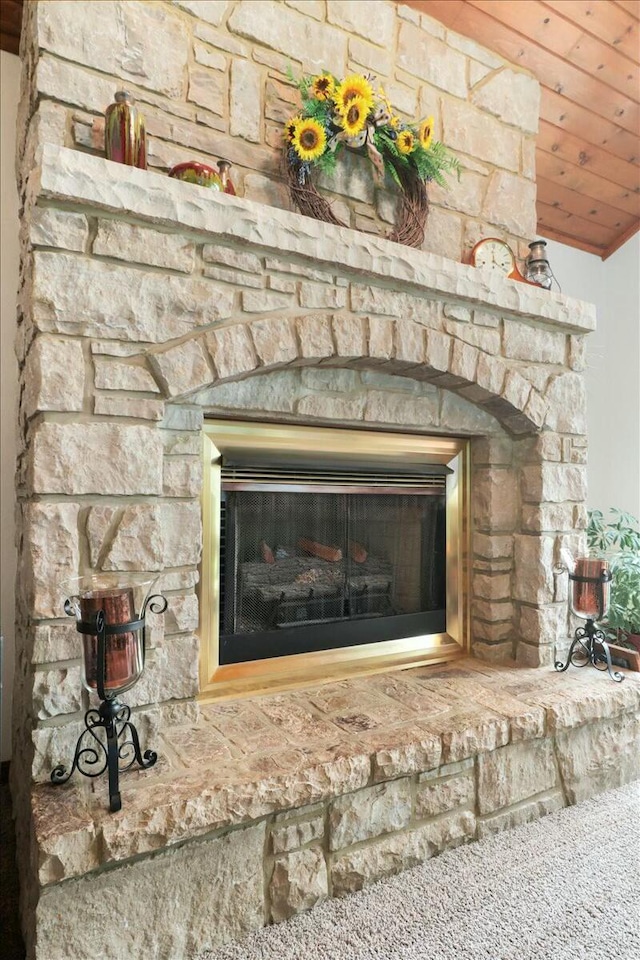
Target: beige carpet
{"points": [[564, 888]]}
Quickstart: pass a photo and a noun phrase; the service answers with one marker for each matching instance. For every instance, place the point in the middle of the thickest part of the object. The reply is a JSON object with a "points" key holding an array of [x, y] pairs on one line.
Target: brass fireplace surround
{"points": [[230, 437]]}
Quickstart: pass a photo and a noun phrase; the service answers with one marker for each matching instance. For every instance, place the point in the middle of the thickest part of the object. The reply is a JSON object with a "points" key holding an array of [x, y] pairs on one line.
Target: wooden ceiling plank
{"points": [[582, 123], [560, 36], [9, 43], [566, 78], [604, 20], [577, 178], [577, 151], [593, 233], [552, 234], [631, 6], [622, 239], [557, 195]]}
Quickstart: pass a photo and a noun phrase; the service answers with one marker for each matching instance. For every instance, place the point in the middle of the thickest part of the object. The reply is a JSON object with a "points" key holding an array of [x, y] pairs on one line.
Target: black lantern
{"points": [[537, 268], [589, 600], [113, 648]]}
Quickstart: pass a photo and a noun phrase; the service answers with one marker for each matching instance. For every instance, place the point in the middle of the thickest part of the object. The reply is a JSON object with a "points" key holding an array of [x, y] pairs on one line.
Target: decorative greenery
{"points": [[618, 539], [350, 113]]}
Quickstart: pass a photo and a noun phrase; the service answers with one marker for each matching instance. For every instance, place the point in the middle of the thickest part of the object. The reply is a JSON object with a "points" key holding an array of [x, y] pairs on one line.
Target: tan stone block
{"points": [[392, 303], [375, 23], [113, 405], [208, 89], [366, 55], [515, 773], [183, 368], [316, 295], [314, 334], [299, 881], [264, 190], [395, 408], [530, 655], [554, 483], [274, 342], [56, 692], [210, 10], [117, 375], [98, 525], [510, 202], [497, 587], [292, 836], [276, 392], [171, 673], [491, 374], [120, 303], [433, 799], [56, 641], [525, 813], [525, 342], [577, 353], [495, 500], [533, 577], [535, 409], [50, 554], [443, 67], [232, 351], [221, 40], [438, 350], [286, 30], [233, 276], [361, 867], [98, 38], [492, 547], [264, 301], [567, 399], [58, 228], [512, 97], [410, 342], [464, 360], [245, 97], [209, 58], [495, 634], [460, 416], [54, 376], [312, 8], [349, 334], [516, 390], [165, 898], [584, 756], [230, 257], [328, 378], [493, 611], [466, 129], [127, 241], [182, 614], [325, 407], [380, 338], [547, 517], [485, 338], [154, 536], [182, 477], [468, 195], [444, 231], [368, 813], [102, 458]]}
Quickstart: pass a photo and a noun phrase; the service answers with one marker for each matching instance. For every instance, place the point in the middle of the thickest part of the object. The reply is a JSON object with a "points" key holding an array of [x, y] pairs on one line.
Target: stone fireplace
{"points": [[155, 316]]}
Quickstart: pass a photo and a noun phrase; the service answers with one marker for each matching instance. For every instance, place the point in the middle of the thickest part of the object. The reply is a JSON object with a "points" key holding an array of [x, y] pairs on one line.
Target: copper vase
{"points": [[125, 137]]}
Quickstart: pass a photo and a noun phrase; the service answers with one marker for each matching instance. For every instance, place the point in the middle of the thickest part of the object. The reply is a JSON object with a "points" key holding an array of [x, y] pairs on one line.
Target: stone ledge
{"points": [[244, 761], [86, 181]]}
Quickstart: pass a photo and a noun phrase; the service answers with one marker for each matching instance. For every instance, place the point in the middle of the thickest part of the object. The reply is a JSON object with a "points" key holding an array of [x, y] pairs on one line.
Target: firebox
{"points": [[328, 550]]}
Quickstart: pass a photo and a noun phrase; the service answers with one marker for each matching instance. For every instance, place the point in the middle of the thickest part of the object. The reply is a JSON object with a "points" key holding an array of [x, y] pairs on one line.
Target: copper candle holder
{"points": [[589, 600], [113, 645]]}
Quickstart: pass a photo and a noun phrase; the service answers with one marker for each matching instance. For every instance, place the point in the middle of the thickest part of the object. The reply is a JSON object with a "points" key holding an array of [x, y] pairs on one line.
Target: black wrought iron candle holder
{"points": [[589, 600], [114, 655]]}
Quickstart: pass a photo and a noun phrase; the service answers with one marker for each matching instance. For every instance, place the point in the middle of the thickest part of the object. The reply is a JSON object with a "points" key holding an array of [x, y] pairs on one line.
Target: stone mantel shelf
{"points": [[81, 180], [244, 762]]}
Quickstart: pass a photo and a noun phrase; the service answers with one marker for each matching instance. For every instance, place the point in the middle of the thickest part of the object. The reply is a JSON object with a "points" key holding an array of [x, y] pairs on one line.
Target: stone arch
{"points": [[403, 347]]}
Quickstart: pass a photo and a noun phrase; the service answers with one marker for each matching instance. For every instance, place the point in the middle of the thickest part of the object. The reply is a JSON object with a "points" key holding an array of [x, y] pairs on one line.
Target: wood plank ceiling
{"points": [[586, 55]]}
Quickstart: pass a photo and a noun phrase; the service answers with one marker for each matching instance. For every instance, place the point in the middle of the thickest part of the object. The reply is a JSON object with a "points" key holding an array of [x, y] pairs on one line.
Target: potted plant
{"points": [[618, 540]]}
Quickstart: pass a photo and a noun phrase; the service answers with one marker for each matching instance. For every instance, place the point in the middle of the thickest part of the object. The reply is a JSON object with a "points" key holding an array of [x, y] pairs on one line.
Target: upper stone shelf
{"points": [[70, 177]]}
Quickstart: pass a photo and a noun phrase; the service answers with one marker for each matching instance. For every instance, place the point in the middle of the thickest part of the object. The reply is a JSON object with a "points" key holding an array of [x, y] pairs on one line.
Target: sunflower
{"points": [[290, 128], [309, 139], [323, 86], [425, 133], [352, 86], [406, 141], [354, 116]]}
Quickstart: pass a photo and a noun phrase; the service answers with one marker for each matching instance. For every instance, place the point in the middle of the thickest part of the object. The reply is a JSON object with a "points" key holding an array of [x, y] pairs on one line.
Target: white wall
{"points": [[613, 372], [9, 250]]}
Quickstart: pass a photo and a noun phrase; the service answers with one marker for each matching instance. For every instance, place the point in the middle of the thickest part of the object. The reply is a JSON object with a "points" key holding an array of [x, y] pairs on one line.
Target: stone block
{"points": [[533, 562], [495, 500], [410, 342], [232, 351], [58, 228], [368, 813], [525, 342], [137, 407], [210, 10], [182, 614], [229, 257], [56, 692], [375, 23], [183, 368], [292, 836], [171, 673], [55, 641], [209, 58], [102, 458], [527, 812], [274, 342], [599, 756], [514, 773], [265, 301], [124, 39], [276, 392], [496, 587], [478, 335], [315, 296], [207, 89], [492, 547], [442, 66], [314, 334], [120, 303], [54, 376], [325, 407], [444, 232], [512, 97], [245, 100], [182, 477], [366, 55], [543, 624], [335, 380], [438, 350], [361, 867], [50, 554], [127, 241], [434, 798], [348, 332], [380, 338], [285, 30], [510, 202], [165, 899], [383, 407], [155, 536], [567, 399], [554, 483], [468, 130], [299, 881], [117, 375]]}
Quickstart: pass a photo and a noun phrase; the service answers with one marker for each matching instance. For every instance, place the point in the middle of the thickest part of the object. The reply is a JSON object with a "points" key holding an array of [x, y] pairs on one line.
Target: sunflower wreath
{"points": [[349, 114]]}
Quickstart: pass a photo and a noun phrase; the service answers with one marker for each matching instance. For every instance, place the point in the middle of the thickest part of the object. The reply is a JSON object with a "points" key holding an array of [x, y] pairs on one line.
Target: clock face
{"points": [[493, 254]]}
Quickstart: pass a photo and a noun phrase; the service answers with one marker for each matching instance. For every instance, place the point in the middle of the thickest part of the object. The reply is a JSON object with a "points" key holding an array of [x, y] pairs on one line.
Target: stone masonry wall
{"points": [[211, 80]]}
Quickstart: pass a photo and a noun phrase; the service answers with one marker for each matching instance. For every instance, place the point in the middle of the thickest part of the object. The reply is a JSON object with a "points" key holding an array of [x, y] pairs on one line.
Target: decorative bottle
{"points": [[125, 137], [227, 185]]}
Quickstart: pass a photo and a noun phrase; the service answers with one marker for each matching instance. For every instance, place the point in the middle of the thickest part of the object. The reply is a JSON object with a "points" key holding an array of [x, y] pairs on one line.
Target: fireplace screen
{"points": [[319, 567]]}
